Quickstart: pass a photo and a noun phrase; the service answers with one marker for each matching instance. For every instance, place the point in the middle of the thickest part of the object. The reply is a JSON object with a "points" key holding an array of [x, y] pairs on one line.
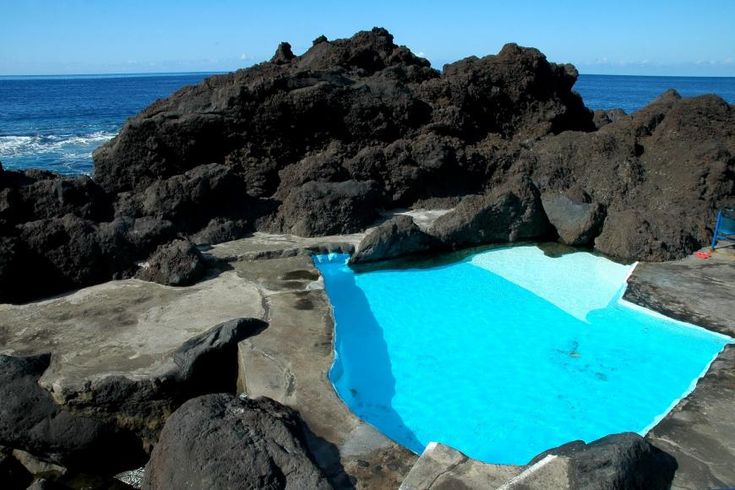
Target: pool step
{"points": [[442, 467], [551, 472]]}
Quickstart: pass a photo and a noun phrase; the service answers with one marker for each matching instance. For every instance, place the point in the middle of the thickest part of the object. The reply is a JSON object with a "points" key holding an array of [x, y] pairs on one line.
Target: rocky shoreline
{"points": [[317, 146]]}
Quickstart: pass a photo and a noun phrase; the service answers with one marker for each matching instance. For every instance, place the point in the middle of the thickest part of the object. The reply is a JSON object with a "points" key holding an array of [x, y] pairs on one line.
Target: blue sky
{"points": [[132, 36]]}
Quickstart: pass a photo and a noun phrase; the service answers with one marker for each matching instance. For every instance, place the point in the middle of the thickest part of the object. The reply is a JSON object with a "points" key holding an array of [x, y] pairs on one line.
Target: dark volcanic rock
{"points": [[30, 420], [190, 200], [661, 173], [576, 220], [220, 230], [33, 195], [655, 236], [13, 475], [361, 92], [509, 213], [603, 117], [327, 208], [616, 461], [221, 441], [107, 424], [396, 237], [179, 263]]}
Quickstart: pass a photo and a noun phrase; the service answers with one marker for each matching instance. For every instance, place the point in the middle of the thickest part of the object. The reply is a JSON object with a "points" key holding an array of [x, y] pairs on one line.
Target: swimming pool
{"points": [[507, 352]]}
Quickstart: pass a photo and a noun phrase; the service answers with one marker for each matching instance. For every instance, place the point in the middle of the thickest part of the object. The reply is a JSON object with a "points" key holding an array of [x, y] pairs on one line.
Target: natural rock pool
{"points": [[507, 352]]}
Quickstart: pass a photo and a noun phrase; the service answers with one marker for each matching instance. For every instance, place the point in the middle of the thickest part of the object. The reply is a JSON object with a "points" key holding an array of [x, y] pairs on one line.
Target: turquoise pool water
{"points": [[506, 353]]}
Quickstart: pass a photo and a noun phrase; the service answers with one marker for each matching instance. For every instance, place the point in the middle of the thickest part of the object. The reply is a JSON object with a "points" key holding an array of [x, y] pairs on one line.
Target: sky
{"points": [[650, 37]]}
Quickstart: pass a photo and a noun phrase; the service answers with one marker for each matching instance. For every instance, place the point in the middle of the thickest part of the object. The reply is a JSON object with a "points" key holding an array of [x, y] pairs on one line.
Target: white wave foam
{"points": [[67, 146]]}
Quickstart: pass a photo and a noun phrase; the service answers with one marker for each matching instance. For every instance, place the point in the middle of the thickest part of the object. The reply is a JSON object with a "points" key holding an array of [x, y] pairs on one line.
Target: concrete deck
{"points": [[290, 361], [129, 328]]}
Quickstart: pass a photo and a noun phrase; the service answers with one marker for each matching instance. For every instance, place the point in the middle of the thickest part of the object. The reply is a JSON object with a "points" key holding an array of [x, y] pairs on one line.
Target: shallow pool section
{"points": [[506, 353]]}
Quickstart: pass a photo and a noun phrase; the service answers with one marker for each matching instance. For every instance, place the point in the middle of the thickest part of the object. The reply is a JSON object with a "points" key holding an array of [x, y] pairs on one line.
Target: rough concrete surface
{"points": [[441, 467], [122, 327]]}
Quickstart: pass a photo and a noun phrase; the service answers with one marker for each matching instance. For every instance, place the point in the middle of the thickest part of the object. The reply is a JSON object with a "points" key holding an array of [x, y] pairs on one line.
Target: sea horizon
{"points": [[61, 76]]}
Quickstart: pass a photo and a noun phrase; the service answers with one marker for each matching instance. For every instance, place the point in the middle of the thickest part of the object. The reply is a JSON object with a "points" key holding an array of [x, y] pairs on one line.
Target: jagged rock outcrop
{"points": [[508, 213], [606, 116], [222, 441], [190, 200], [351, 109], [660, 173], [395, 238], [179, 263]]}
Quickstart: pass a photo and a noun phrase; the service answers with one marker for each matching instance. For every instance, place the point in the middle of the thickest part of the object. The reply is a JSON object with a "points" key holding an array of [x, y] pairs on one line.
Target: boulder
{"points": [[603, 117], [624, 460], [220, 230], [577, 220], [70, 253], [397, 237], [222, 441], [31, 420], [179, 263], [78, 416], [508, 213], [328, 208]]}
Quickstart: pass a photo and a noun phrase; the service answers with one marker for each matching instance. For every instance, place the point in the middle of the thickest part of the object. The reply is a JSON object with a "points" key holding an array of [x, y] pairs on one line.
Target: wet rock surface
{"points": [[700, 430], [223, 441]]}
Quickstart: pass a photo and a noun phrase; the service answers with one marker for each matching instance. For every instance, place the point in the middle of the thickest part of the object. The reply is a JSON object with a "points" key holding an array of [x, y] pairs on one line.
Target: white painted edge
{"points": [[528, 472], [686, 393]]}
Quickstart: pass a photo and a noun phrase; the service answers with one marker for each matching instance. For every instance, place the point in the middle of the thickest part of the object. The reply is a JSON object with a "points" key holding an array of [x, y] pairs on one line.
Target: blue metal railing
{"points": [[724, 226]]}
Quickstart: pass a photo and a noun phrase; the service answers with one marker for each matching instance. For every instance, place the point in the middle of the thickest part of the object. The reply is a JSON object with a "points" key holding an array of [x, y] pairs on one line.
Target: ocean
{"points": [[55, 122]]}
